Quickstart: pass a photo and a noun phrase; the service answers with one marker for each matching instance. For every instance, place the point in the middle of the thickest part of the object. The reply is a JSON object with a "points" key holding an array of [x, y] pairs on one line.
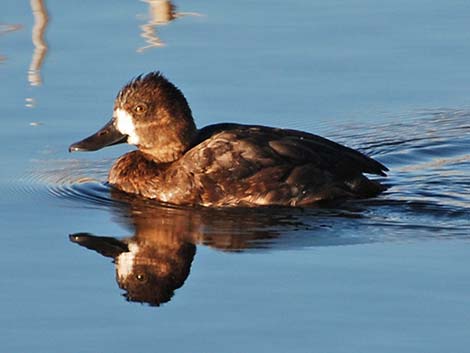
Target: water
{"points": [[388, 274]]}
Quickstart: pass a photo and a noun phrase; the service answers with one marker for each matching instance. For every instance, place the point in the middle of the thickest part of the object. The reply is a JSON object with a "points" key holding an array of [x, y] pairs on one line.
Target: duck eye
{"points": [[140, 277], [140, 108]]}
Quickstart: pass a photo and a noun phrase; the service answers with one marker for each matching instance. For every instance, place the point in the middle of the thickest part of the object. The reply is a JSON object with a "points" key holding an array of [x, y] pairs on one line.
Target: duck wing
{"points": [[232, 164], [281, 146]]}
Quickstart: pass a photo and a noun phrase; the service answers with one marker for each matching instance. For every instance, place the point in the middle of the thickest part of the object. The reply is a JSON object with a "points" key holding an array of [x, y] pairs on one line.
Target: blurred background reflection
{"points": [[160, 13], [41, 19]]}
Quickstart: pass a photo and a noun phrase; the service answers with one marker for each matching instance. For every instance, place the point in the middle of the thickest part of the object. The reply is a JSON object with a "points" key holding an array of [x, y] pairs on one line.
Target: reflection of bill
{"points": [[40, 46], [161, 12]]}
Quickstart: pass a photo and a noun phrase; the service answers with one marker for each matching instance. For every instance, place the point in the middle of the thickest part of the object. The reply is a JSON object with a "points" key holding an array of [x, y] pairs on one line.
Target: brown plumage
{"points": [[223, 164]]}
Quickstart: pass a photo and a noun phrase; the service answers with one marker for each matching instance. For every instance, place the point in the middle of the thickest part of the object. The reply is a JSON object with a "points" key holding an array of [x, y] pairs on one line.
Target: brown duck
{"points": [[223, 164]]}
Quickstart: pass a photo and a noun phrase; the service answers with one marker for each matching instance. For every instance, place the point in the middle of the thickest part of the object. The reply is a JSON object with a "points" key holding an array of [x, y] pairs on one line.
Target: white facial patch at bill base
{"points": [[125, 125]]}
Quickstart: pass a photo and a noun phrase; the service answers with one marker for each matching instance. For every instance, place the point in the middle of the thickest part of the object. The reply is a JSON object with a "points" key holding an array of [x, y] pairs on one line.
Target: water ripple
{"points": [[73, 180]]}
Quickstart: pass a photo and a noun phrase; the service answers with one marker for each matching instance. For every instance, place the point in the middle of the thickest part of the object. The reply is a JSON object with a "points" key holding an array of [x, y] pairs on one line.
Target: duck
{"points": [[225, 164]]}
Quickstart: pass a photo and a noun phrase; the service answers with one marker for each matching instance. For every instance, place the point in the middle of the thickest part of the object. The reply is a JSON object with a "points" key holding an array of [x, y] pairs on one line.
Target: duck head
{"points": [[149, 270], [150, 113]]}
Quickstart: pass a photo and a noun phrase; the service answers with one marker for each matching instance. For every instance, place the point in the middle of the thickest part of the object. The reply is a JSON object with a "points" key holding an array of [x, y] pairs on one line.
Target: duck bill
{"points": [[108, 135]]}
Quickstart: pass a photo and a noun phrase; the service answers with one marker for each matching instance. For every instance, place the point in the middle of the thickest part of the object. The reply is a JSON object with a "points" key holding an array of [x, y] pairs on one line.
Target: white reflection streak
{"points": [[161, 12], [40, 47]]}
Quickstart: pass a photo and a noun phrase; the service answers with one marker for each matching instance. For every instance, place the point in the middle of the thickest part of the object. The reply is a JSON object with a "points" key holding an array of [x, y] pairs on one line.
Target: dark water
{"points": [[387, 274]]}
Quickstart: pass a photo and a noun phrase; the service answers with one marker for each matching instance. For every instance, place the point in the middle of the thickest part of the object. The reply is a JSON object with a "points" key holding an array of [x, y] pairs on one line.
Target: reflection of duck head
{"points": [[149, 265], [154, 262]]}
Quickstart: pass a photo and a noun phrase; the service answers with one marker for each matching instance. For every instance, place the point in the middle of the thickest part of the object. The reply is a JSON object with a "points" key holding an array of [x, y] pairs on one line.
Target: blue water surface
{"points": [[383, 275]]}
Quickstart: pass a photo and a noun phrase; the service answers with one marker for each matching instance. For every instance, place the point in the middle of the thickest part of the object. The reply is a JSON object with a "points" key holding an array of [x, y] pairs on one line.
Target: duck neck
{"points": [[168, 154], [170, 144]]}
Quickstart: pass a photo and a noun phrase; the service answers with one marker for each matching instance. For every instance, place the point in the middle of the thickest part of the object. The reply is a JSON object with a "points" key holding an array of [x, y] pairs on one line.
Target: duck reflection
{"points": [[156, 260]]}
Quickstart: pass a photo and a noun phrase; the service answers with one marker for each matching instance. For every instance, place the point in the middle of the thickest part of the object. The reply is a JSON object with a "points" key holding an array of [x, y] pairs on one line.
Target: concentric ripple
{"points": [[80, 181]]}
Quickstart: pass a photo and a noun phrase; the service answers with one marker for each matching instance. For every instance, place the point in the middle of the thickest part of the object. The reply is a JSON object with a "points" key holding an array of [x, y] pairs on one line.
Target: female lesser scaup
{"points": [[222, 164]]}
